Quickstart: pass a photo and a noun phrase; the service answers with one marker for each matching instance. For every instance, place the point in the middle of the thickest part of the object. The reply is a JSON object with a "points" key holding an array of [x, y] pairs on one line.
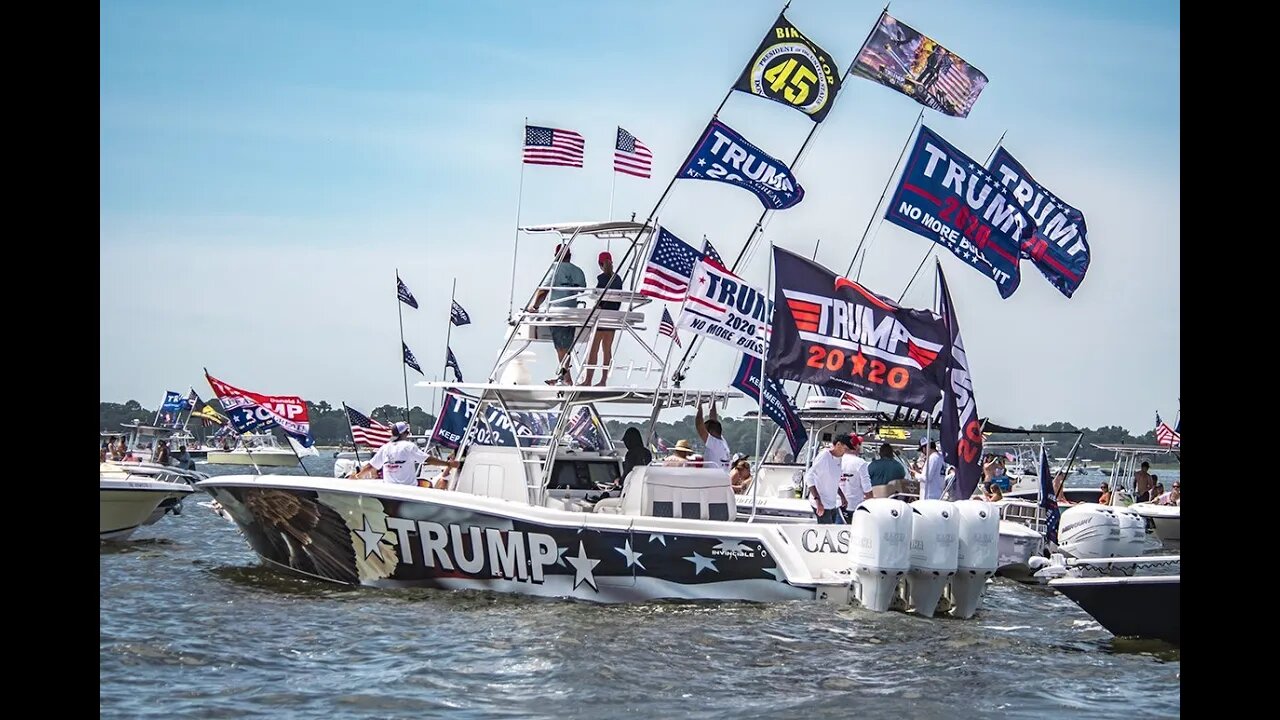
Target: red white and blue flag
{"points": [[847, 399], [666, 274], [1167, 436], [1048, 500], [668, 327], [365, 430], [552, 146], [251, 411], [630, 156]]}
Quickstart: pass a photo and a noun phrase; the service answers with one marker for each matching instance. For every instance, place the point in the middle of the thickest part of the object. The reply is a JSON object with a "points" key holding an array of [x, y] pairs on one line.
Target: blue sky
{"points": [[266, 167]]}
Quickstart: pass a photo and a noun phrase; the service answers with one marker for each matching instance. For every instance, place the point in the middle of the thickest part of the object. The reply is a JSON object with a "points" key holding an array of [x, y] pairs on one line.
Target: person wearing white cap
{"points": [[398, 459], [934, 476]]}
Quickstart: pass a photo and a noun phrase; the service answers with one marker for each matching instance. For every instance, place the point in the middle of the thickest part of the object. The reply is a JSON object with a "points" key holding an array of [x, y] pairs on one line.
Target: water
{"points": [[191, 625]]}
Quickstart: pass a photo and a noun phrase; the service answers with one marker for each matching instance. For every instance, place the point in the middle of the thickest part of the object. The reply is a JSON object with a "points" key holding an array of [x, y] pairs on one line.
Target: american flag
{"points": [[458, 316], [668, 327], [847, 399], [666, 275], [411, 361], [630, 156], [709, 253], [366, 431], [1167, 436], [552, 146], [406, 297]]}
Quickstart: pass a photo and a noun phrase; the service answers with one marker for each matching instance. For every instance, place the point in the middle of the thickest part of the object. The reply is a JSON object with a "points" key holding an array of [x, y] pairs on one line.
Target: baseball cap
{"points": [[924, 441], [399, 428], [606, 255]]}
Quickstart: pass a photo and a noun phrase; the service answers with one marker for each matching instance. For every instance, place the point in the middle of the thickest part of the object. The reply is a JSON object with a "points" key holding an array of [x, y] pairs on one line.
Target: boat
{"points": [[1165, 520], [1143, 601], [779, 480], [254, 449], [141, 441], [131, 495], [528, 518]]}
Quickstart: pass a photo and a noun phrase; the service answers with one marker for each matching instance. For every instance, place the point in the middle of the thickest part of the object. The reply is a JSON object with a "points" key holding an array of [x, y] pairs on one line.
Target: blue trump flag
{"points": [[411, 361], [776, 403], [1048, 500], [452, 362], [1060, 246], [947, 197], [725, 156], [458, 316]]}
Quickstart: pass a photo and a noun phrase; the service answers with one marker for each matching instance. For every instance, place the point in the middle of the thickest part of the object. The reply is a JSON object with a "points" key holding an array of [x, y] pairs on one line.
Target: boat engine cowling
{"points": [[1133, 532], [1089, 530], [935, 548], [880, 545], [978, 554]]}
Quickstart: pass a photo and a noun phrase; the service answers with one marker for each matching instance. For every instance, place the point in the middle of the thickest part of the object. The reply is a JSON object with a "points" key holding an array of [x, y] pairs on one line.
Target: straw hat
{"points": [[682, 446]]}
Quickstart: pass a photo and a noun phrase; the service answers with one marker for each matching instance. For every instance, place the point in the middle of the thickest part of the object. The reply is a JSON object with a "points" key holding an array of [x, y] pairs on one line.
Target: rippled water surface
{"points": [[193, 626]]}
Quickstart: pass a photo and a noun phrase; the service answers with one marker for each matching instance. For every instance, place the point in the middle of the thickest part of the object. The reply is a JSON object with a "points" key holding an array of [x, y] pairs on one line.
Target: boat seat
{"points": [[689, 493], [611, 506]]}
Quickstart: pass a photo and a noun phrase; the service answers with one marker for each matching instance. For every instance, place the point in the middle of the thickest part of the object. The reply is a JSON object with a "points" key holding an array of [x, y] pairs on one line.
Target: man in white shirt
{"points": [[935, 471], [822, 481], [398, 459], [717, 454], [855, 481]]}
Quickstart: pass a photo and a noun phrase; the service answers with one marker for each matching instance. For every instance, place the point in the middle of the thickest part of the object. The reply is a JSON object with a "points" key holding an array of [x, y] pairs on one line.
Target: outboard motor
{"points": [[978, 556], [935, 547], [1133, 533], [880, 542], [1089, 530]]}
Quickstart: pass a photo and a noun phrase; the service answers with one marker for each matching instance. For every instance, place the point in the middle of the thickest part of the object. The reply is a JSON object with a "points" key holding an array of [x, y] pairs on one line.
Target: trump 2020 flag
{"points": [[411, 361], [250, 410], [961, 436], [947, 197], [776, 403], [719, 305], [1048, 500], [725, 156], [833, 332], [791, 69], [402, 292], [1060, 245], [452, 362], [458, 316], [915, 65]]}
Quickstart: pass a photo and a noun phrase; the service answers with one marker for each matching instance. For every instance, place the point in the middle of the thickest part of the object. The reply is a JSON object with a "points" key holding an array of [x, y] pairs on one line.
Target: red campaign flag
{"points": [[287, 411]]}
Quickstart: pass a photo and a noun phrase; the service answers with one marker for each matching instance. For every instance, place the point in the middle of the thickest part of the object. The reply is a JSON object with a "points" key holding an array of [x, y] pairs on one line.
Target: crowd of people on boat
{"points": [[116, 449]]}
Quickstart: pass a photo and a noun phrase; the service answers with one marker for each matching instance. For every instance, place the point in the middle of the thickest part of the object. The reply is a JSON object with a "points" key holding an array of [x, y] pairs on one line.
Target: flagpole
{"points": [[933, 245], [875, 213], [515, 249], [760, 410], [355, 444], [448, 328], [404, 374], [239, 434]]}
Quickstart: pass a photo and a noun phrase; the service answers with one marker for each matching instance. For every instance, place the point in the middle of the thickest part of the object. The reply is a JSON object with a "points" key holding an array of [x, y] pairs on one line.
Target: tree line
{"points": [[329, 427]]}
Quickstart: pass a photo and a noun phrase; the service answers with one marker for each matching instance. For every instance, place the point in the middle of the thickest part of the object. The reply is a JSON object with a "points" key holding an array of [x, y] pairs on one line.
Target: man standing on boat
{"points": [[934, 476], [712, 434], [567, 276], [854, 478], [398, 459], [1142, 482], [822, 481]]}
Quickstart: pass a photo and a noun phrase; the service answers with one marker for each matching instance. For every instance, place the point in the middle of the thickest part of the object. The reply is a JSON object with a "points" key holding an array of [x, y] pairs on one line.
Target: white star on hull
{"points": [[633, 558], [583, 568], [371, 539]]}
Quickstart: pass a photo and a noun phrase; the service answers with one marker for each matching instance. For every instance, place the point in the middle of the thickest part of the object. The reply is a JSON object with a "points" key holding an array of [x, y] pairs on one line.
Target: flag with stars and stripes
{"points": [[411, 361], [552, 146], [365, 430], [630, 156], [668, 327], [666, 274], [709, 254], [406, 297], [458, 316], [452, 362], [847, 399]]}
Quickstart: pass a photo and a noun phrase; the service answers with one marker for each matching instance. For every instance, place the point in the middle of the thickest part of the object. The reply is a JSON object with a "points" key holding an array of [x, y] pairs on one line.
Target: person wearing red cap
{"points": [[854, 479], [606, 280], [567, 276]]}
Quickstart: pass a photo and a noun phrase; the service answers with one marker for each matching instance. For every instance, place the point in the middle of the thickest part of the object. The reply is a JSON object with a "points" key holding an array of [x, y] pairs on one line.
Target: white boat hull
{"points": [[396, 536], [1165, 519], [125, 505], [274, 457]]}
